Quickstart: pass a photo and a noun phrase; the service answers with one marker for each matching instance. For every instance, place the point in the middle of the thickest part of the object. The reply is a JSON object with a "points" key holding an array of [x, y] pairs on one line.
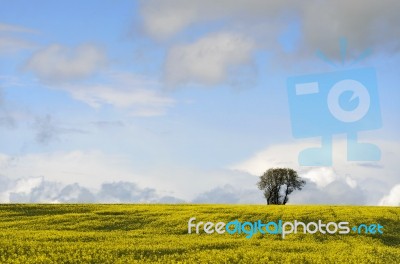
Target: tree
{"points": [[278, 183]]}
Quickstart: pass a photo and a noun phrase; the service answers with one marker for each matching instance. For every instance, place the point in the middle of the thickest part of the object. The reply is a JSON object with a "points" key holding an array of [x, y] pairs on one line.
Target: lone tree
{"points": [[278, 183]]}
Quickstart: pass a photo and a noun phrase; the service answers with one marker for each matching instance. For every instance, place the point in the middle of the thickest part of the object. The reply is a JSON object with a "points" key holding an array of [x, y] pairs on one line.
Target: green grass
{"points": [[158, 233]]}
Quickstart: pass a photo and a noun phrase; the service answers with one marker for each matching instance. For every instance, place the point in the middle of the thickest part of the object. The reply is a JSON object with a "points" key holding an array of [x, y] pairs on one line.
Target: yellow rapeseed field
{"points": [[79, 233]]}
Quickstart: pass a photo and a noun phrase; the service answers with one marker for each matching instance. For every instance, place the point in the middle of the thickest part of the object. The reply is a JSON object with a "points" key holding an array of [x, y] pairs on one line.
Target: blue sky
{"points": [[185, 98]]}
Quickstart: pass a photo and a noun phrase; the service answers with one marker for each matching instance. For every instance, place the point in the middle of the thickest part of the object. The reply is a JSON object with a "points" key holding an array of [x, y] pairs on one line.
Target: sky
{"points": [[176, 101]]}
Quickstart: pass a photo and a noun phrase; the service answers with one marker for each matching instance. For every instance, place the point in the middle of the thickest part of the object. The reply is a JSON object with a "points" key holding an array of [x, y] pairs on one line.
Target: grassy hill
{"points": [[159, 233]]}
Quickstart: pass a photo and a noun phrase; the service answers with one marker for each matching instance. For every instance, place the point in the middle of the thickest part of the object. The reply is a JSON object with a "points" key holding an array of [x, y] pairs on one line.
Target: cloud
{"points": [[113, 178], [74, 193], [57, 63], [366, 24], [89, 168], [225, 194], [129, 192], [164, 24], [283, 155], [19, 186], [209, 60], [228, 194], [125, 192], [164, 19], [92, 169], [320, 176], [336, 192], [41, 192], [345, 182], [136, 94], [38, 190], [118, 179], [393, 198]]}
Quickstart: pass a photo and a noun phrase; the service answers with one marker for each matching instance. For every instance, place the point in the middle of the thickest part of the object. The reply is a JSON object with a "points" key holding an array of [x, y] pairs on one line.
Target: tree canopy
{"points": [[278, 183]]}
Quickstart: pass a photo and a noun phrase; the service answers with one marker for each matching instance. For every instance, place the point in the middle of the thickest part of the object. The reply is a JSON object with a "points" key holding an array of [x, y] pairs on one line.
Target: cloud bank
{"points": [[38, 190]]}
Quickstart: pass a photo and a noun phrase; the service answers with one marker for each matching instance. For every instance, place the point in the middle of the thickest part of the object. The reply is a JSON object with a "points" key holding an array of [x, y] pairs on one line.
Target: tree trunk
{"points": [[277, 194], [286, 195]]}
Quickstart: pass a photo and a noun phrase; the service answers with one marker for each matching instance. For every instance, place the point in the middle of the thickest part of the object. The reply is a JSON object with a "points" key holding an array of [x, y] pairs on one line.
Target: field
{"points": [[159, 233]]}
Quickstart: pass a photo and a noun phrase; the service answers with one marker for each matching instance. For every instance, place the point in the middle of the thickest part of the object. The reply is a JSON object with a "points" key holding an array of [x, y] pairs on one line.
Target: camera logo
{"points": [[325, 104]]}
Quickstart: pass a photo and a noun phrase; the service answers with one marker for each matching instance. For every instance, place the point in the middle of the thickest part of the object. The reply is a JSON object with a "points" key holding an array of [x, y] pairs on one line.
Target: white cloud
{"points": [[136, 94], [351, 182], [345, 183], [365, 183], [57, 63], [284, 155], [191, 182], [39, 190], [209, 60], [76, 176], [337, 192], [95, 170], [26, 185], [393, 198], [22, 186], [321, 176]]}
